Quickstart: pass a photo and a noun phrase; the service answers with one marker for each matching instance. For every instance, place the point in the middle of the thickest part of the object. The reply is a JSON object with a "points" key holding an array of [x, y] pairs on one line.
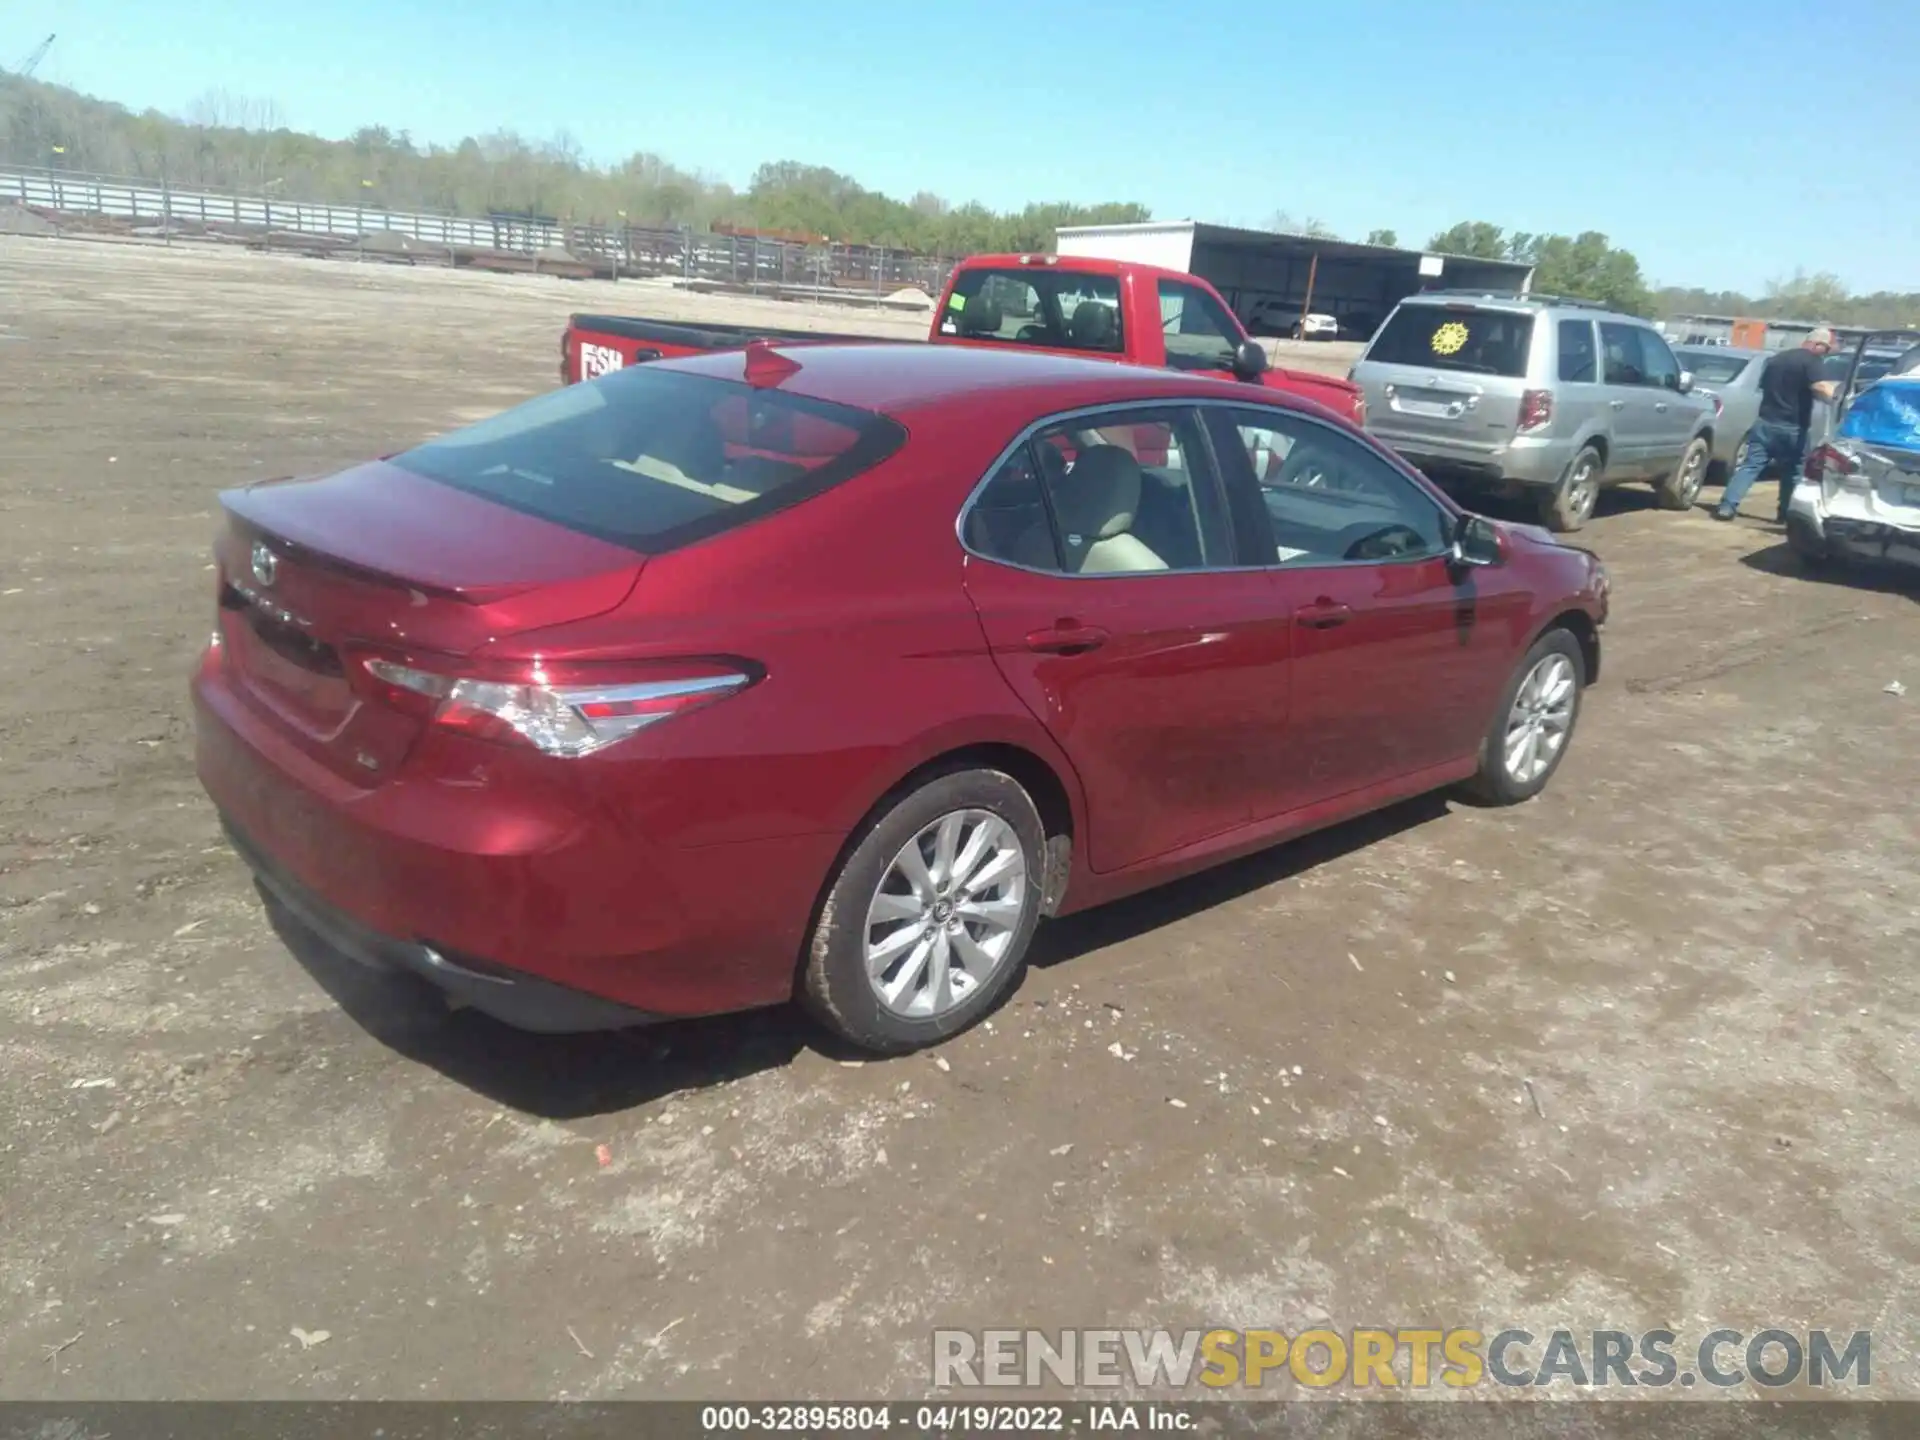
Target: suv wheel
{"points": [[1569, 505], [927, 923], [1680, 489], [1535, 721]]}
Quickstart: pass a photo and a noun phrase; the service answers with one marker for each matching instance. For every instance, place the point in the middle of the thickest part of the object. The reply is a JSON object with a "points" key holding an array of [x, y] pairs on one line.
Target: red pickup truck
{"points": [[1103, 309]]}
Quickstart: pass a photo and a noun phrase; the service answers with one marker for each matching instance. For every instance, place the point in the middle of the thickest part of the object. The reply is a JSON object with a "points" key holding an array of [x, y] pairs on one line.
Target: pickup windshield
{"points": [[1455, 337], [1039, 306], [652, 459]]}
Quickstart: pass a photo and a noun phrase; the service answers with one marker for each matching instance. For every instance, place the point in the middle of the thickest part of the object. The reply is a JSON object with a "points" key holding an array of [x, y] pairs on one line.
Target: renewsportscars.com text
{"points": [[1413, 1359]]}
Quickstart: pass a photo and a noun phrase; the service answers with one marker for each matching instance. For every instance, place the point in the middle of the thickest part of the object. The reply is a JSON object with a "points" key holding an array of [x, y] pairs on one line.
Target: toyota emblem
{"points": [[266, 564]]}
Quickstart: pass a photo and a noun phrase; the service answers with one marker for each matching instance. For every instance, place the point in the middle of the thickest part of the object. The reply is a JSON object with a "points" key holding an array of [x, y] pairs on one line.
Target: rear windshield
{"points": [[1713, 368], [651, 458], [1455, 337], [1055, 309]]}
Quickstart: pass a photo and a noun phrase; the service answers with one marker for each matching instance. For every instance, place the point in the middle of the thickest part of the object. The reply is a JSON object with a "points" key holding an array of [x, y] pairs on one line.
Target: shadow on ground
{"points": [[563, 1077], [1878, 578]]}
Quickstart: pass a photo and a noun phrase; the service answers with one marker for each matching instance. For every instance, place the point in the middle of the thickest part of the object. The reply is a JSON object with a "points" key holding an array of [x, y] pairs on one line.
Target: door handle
{"points": [[1661, 407], [1324, 614], [1067, 639], [1618, 404]]}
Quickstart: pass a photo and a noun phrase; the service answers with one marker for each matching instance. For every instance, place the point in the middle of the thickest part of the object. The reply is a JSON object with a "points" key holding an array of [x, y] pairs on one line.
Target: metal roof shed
{"points": [[1278, 273]]}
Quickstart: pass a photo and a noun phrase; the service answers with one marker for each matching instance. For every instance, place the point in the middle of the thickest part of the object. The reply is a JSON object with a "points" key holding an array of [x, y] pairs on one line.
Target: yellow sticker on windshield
{"points": [[1449, 339], [958, 302]]}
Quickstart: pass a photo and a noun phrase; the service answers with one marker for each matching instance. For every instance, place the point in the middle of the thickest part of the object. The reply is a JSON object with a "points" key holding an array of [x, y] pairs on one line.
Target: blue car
{"points": [[1860, 498]]}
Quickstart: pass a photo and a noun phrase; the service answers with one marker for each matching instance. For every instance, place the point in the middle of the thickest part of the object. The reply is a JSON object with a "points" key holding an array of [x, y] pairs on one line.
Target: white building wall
{"points": [[1166, 243]]}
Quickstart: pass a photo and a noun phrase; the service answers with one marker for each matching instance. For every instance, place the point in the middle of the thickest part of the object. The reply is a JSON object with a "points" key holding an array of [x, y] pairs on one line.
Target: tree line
{"points": [[234, 142], [227, 141]]}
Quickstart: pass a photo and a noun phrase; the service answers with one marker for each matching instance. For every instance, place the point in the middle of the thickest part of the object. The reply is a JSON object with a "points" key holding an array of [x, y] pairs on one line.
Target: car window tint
{"points": [[1052, 309], [1125, 493], [1330, 499], [652, 458], [1455, 337], [1620, 344], [1008, 518], [1199, 334], [1578, 361]]}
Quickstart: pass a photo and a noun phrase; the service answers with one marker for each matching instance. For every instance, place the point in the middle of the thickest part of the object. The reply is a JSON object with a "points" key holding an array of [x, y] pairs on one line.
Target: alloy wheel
{"points": [[1541, 717], [946, 912]]}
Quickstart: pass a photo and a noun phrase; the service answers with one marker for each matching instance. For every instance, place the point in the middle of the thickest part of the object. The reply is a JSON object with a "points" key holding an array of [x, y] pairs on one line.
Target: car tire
{"points": [[1679, 490], [1569, 504], [880, 911], [1531, 700]]}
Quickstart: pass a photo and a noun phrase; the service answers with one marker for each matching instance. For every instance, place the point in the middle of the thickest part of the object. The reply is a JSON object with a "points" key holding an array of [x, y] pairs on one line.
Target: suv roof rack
{"points": [[1534, 297]]}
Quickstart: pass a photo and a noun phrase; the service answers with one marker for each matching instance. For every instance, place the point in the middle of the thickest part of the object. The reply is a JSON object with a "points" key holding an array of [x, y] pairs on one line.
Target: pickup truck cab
{"points": [[1118, 310], [1072, 305]]}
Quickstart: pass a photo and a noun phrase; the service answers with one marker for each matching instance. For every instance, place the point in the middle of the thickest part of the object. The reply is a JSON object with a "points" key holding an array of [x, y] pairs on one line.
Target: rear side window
{"points": [[1041, 306], [1456, 337], [652, 459], [1579, 362], [1711, 369]]}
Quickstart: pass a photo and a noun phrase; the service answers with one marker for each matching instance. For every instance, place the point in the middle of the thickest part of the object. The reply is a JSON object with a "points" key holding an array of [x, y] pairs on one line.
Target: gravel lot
{"points": [[227, 1172]]}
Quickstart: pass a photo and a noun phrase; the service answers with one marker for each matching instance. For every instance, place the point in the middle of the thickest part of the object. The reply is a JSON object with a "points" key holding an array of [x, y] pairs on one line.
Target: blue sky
{"points": [[1697, 136]]}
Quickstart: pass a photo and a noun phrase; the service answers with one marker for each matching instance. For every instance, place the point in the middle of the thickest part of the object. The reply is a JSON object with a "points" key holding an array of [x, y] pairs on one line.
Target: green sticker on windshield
{"points": [[958, 302]]}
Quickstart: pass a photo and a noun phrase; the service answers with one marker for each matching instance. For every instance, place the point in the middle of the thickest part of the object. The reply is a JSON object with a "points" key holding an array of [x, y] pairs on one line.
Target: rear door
{"points": [[1110, 598], [1398, 660], [1446, 379]]}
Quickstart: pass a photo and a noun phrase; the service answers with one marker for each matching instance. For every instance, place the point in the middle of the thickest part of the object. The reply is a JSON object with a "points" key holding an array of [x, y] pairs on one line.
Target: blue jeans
{"points": [[1769, 443]]}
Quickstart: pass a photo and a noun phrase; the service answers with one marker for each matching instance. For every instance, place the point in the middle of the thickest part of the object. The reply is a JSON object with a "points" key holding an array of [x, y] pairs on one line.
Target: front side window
{"points": [[1199, 334], [1330, 499], [1036, 305], [1114, 494], [1625, 362], [1657, 360], [651, 458]]}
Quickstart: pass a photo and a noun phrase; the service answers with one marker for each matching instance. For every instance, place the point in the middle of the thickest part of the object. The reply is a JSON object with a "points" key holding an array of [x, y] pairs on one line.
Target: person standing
{"points": [[1788, 386]]}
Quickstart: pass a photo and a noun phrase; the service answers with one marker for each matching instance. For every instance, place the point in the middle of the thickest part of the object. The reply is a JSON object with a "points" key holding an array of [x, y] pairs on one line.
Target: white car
{"points": [[1860, 495], [1316, 327]]}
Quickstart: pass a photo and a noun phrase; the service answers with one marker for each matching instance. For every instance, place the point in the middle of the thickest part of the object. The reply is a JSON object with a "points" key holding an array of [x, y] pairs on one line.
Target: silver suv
{"points": [[1535, 393]]}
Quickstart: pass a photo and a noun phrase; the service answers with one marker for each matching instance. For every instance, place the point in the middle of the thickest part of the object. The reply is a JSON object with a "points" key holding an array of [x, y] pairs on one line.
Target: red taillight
{"points": [[1824, 458], [559, 710], [1536, 409]]}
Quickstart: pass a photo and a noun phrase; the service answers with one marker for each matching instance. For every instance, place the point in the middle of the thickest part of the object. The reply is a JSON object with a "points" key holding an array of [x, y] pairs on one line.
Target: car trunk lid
{"points": [[318, 575]]}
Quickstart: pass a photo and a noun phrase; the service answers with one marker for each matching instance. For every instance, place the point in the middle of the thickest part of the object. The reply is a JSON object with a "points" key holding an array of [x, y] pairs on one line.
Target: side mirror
{"points": [[1476, 542], [1249, 360], [1685, 383]]}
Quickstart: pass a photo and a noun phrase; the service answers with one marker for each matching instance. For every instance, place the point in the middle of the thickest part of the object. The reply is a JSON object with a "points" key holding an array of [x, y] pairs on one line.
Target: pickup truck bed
{"points": [[596, 344]]}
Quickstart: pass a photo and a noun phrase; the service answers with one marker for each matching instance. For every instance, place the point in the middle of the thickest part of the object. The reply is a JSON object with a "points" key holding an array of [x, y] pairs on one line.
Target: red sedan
{"points": [[828, 671]]}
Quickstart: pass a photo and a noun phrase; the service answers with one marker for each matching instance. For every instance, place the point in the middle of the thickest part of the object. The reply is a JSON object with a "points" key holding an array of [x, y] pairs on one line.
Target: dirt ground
{"points": [[1640, 1053]]}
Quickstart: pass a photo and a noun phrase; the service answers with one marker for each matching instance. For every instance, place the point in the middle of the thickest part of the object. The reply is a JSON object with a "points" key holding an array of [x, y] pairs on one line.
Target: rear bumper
{"points": [[523, 1001], [1846, 526], [1521, 461], [521, 885]]}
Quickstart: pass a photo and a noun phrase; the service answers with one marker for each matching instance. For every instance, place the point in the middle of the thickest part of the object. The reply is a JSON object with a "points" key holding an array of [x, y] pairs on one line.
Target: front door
{"points": [[1398, 658], [1635, 429], [1101, 563], [1673, 413]]}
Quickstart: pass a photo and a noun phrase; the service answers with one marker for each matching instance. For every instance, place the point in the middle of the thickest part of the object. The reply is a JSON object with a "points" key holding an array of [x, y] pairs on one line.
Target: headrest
{"points": [[981, 317], [1099, 497], [1093, 325]]}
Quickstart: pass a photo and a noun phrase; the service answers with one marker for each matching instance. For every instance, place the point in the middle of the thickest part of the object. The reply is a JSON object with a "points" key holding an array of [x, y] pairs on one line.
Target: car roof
{"points": [[900, 378], [1517, 304]]}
